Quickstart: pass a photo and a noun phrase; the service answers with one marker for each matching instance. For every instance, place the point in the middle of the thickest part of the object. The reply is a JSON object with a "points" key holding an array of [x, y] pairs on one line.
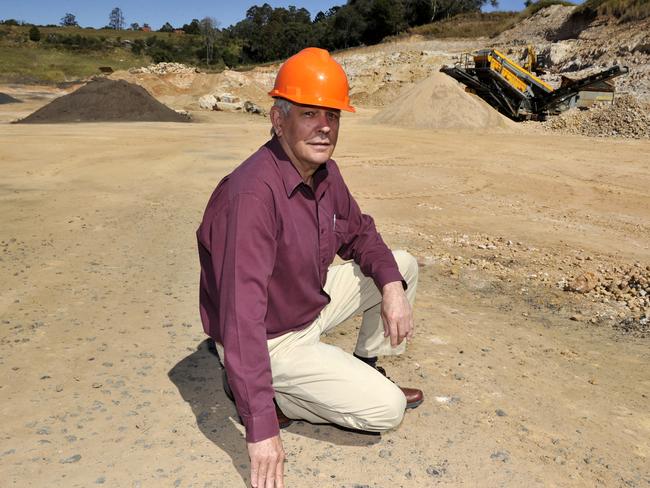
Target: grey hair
{"points": [[284, 106]]}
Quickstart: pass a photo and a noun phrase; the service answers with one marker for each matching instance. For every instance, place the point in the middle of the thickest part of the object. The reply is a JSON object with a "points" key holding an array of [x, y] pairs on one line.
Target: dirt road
{"points": [[105, 379]]}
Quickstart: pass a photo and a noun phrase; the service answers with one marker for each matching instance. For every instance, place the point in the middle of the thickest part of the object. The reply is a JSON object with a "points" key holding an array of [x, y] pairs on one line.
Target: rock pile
{"points": [[626, 118], [164, 69], [227, 102], [628, 286]]}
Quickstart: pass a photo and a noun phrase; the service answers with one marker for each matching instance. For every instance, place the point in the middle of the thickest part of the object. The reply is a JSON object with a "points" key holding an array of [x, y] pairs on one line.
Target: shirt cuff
{"points": [[262, 426], [385, 276]]}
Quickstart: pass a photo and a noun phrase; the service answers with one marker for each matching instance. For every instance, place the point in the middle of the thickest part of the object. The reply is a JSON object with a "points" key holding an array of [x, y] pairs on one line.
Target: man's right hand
{"points": [[267, 463]]}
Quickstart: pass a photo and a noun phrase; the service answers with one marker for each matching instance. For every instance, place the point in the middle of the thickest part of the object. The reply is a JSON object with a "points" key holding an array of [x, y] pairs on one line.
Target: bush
{"points": [[34, 34]]}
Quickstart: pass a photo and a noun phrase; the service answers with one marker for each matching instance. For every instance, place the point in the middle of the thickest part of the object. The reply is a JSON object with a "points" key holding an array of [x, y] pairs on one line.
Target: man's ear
{"points": [[276, 120]]}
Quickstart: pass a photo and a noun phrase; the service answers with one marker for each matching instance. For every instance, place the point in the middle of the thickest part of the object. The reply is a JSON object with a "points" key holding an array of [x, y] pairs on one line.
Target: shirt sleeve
{"points": [[364, 244], [247, 264]]}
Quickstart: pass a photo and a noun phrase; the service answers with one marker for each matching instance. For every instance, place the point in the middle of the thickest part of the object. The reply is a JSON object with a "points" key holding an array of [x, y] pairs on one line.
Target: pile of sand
{"points": [[4, 98], [103, 100], [440, 102]]}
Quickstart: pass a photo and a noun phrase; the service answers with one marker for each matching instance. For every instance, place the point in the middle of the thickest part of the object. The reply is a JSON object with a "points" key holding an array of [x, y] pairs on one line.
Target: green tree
{"points": [[167, 28], [193, 27], [34, 34], [69, 20]]}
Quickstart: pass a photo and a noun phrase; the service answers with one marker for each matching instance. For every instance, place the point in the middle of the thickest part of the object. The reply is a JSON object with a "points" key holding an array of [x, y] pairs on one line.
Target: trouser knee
{"points": [[408, 265], [390, 415]]}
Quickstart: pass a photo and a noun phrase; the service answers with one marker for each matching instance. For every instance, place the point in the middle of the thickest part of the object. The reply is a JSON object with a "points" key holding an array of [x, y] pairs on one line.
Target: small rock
{"points": [[583, 283], [71, 459], [503, 456], [435, 471], [500, 413]]}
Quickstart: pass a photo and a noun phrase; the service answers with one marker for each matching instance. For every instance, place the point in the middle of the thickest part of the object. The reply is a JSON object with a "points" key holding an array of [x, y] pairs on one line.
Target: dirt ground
{"points": [[106, 380]]}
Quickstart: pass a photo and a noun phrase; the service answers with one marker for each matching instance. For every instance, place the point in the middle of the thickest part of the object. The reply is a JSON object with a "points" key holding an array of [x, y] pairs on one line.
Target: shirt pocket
{"points": [[340, 227]]}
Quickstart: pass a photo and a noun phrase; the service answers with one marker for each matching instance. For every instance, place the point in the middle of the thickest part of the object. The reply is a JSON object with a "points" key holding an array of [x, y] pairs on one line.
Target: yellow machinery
{"points": [[515, 90]]}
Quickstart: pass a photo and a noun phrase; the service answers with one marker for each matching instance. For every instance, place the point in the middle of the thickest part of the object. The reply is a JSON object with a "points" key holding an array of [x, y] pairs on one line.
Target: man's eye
{"points": [[332, 116], [309, 114]]}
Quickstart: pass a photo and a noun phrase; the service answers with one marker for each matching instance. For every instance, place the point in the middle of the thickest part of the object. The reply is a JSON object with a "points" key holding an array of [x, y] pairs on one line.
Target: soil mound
{"points": [[440, 102], [103, 100], [4, 98]]}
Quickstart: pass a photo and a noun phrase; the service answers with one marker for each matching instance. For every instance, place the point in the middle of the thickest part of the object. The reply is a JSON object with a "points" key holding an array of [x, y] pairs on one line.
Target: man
{"points": [[269, 234]]}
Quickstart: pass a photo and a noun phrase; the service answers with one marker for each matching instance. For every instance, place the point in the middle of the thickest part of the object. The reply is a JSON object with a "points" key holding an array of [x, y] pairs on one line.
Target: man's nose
{"points": [[323, 123]]}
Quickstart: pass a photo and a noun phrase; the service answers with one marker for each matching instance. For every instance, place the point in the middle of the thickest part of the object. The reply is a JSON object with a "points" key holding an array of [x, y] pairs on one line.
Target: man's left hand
{"points": [[396, 313]]}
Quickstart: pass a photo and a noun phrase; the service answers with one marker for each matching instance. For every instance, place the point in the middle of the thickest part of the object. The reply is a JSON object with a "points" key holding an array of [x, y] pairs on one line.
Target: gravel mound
{"points": [[626, 118], [165, 68], [440, 102], [103, 100], [4, 98]]}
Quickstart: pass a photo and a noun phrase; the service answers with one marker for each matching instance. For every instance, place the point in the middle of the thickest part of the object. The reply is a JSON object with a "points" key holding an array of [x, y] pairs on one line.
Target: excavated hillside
{"points": [[382, 77]]}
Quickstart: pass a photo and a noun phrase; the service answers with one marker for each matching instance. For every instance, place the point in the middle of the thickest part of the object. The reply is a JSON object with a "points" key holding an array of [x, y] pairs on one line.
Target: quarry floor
{"points": [[105, 379]]}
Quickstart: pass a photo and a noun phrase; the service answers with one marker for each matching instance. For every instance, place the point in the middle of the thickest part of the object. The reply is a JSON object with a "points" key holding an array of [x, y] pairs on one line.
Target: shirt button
{"points": [[322, 231]]}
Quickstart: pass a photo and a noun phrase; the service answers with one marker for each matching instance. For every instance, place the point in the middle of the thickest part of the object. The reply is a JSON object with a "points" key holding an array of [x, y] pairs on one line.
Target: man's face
{"points": [[308, 134]]}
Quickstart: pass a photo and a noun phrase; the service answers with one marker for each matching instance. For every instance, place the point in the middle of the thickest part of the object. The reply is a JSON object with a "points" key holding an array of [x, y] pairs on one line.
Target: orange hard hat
{"points": [[313, 77]]}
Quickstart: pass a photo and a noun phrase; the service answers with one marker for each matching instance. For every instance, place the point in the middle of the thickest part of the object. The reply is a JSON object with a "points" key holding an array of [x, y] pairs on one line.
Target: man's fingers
{"points": [[270, 473], [255, 467], [279, 474]]}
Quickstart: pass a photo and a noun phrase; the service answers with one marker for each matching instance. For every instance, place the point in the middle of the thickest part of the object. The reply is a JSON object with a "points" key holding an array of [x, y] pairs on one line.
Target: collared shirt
{"points": [[265, 244]]}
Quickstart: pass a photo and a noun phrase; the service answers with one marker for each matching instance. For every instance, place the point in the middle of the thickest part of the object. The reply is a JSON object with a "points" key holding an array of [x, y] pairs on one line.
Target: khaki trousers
{"points": [[322, 383]]}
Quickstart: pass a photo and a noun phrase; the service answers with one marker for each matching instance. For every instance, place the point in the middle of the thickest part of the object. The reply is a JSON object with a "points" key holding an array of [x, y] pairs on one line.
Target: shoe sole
{"points": [[412, 405]]}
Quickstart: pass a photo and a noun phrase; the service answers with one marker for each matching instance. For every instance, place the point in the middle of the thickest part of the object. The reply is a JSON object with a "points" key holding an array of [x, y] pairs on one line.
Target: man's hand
{"points": [[396, 313], [267, 463]]}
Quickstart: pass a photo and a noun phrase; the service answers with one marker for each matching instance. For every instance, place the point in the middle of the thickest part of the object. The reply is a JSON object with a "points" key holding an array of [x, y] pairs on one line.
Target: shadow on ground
{"points": [[198, 379]]}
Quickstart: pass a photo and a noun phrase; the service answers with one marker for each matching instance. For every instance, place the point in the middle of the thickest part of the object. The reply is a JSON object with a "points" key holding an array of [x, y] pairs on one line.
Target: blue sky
{"points": [[94, 13]]}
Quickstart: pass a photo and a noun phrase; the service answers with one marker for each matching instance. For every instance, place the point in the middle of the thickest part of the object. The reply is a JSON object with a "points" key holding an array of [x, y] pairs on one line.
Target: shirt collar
{"points": [[290, 176]]}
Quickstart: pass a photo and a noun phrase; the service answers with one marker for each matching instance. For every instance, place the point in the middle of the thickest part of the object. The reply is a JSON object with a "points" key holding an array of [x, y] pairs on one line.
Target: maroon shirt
{"points": [[265, 244]]}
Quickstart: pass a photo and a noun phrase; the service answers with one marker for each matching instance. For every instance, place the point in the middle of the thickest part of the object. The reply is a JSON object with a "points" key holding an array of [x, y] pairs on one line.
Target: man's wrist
{"points": [[392, 287]]}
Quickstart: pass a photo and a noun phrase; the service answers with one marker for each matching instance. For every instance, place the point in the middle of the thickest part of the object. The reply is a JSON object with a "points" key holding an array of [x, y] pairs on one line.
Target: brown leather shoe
{"points": [[283, 420], [414, 397]]}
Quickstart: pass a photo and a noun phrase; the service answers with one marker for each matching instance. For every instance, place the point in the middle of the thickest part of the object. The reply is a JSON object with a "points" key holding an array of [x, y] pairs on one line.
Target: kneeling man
{"points": [[268, 237]]}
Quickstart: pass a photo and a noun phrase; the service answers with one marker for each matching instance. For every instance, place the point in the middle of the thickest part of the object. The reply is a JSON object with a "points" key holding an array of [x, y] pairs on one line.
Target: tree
{"points": [[193, 27], [116, 19], [34, 34], [69, 20], [135, 26], [167, 28], [208, 27]]}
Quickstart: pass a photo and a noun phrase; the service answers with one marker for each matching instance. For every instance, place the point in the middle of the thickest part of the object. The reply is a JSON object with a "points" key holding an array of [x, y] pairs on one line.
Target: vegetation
{"points": [[467, 25], [533, 7], [26, 64], [625, 10]]}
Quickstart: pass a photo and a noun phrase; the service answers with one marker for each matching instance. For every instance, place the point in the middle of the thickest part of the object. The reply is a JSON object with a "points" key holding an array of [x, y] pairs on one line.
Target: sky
{"points": [[94, 13]]}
